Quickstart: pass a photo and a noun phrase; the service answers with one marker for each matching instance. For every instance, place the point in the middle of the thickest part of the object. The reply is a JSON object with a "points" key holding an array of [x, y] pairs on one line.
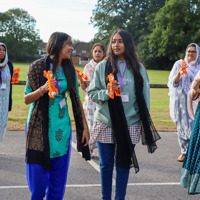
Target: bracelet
{"points": [[40, 90]]}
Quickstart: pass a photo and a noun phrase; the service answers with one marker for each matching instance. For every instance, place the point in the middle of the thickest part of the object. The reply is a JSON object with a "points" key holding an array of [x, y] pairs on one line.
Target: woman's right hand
{"points": [[35, 95], [45, 87], [178, 76], [83, 84]]}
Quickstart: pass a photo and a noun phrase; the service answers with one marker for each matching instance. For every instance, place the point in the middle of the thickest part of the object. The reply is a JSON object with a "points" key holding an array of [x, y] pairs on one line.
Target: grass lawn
{"points": [[159, 107]]}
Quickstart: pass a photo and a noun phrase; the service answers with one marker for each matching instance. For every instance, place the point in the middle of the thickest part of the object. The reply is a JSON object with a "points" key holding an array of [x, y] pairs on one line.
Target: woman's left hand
{"points": [[115, 86], [86, 137]]}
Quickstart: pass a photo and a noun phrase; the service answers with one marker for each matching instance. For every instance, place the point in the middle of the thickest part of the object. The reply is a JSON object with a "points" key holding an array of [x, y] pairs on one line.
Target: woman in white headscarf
{"points": [[179, 86], [6, 71]]}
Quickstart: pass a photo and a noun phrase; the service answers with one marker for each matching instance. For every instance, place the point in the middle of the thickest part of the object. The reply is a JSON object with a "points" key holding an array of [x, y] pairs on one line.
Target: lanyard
{"points": [[121, 77], [58, 85]]}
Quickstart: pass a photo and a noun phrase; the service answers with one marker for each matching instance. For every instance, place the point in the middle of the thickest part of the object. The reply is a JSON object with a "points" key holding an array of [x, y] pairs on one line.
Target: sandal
{"points": [[181, 158]]}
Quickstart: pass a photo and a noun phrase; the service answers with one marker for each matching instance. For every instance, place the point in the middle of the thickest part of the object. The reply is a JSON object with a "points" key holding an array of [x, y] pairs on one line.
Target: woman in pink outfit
{"points": [[98, 54]]}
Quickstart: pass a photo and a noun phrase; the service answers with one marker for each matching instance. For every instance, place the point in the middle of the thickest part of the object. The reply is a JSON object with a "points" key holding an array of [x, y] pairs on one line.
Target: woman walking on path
{"points": [[179, 86], [48, 137], [6, 72], [89, 107], [117, 122]]}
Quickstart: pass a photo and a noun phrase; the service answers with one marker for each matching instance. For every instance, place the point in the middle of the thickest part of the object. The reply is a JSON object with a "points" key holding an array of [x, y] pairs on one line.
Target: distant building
{"points": [[42, 49], [81, 53]]}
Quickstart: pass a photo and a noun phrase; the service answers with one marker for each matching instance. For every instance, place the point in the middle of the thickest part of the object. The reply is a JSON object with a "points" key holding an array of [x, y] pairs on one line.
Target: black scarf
{"points": [[79, 124], [125, 154]]}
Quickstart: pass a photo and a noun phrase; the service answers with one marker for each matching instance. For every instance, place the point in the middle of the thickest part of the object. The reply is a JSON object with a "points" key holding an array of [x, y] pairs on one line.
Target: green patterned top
{"points": [[59, 119]]}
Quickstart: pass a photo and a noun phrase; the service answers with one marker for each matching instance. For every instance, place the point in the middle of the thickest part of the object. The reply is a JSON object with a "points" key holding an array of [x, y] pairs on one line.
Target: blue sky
{"points": [[69, 16]]}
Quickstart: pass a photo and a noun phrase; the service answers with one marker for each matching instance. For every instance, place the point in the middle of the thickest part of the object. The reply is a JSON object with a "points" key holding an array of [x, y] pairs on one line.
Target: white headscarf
{"points": [[192, 70], [6, 56], [185, 81]]}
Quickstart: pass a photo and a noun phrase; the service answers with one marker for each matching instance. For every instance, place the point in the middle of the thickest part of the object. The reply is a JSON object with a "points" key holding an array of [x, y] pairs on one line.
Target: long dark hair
{"points": [[129, 55], [53, 48]]}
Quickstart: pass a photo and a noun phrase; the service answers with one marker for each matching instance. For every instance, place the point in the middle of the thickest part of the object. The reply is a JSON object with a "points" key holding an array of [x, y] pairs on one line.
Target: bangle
{"points": [[40, 90]]}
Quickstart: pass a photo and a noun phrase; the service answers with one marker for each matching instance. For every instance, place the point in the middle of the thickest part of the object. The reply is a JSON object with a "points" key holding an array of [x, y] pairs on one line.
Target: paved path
{"points": [[158, 178]]}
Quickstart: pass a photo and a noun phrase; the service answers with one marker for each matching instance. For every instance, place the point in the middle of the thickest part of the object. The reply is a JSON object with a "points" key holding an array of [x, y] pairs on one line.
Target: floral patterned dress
{"points": [[89, 107], [4, 100]]}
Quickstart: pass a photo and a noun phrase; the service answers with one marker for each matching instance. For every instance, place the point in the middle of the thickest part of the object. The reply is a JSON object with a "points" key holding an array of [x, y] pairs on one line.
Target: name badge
{"points": [[125, 97], [62, 103], [3, 86]]}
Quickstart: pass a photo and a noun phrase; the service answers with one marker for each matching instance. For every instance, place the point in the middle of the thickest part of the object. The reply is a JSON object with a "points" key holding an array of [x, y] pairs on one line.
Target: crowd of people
{"points": [[113, 124]]}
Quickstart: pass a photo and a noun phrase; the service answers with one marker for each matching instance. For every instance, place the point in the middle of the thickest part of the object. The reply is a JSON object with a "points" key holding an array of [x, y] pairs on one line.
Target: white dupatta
{"points": [[6, 56], [185, 80]]}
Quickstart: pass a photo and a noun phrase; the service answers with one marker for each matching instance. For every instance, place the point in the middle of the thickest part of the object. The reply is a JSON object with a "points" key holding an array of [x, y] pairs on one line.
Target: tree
{"points": [[132, 15], [17, 31], [161, 29], [75, 41], [176, 25]]}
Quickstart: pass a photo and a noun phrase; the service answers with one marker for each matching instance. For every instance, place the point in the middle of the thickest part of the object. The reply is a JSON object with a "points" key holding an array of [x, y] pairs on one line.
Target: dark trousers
{"points": [[106, 159]]}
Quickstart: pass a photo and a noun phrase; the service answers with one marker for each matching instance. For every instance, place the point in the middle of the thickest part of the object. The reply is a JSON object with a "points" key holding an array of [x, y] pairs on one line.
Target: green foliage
{"points": [[17, 31], [161, 29], [131, 15], [176, 25]]}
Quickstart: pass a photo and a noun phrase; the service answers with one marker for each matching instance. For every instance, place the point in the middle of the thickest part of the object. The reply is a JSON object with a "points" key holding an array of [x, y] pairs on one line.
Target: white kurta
{"points": [[178, 104]]}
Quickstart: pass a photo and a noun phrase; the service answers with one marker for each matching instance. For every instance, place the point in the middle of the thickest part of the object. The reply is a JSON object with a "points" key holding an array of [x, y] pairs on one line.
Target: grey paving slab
{"points": [[158, 178]]}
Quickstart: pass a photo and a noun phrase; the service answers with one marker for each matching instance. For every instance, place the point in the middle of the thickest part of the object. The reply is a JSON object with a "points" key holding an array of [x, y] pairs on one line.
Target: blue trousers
{"points": [[50, 182], [106, 160]]}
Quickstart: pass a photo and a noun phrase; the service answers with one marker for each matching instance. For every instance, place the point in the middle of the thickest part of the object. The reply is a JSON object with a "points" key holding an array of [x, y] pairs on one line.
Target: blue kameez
{"points": [[4, 100]]}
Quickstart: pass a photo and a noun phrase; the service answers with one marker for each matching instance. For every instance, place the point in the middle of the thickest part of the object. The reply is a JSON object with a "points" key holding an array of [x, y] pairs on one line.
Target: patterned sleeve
{"points": [[173, 73], [146, 87], [85, 70], [97, 91]]}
